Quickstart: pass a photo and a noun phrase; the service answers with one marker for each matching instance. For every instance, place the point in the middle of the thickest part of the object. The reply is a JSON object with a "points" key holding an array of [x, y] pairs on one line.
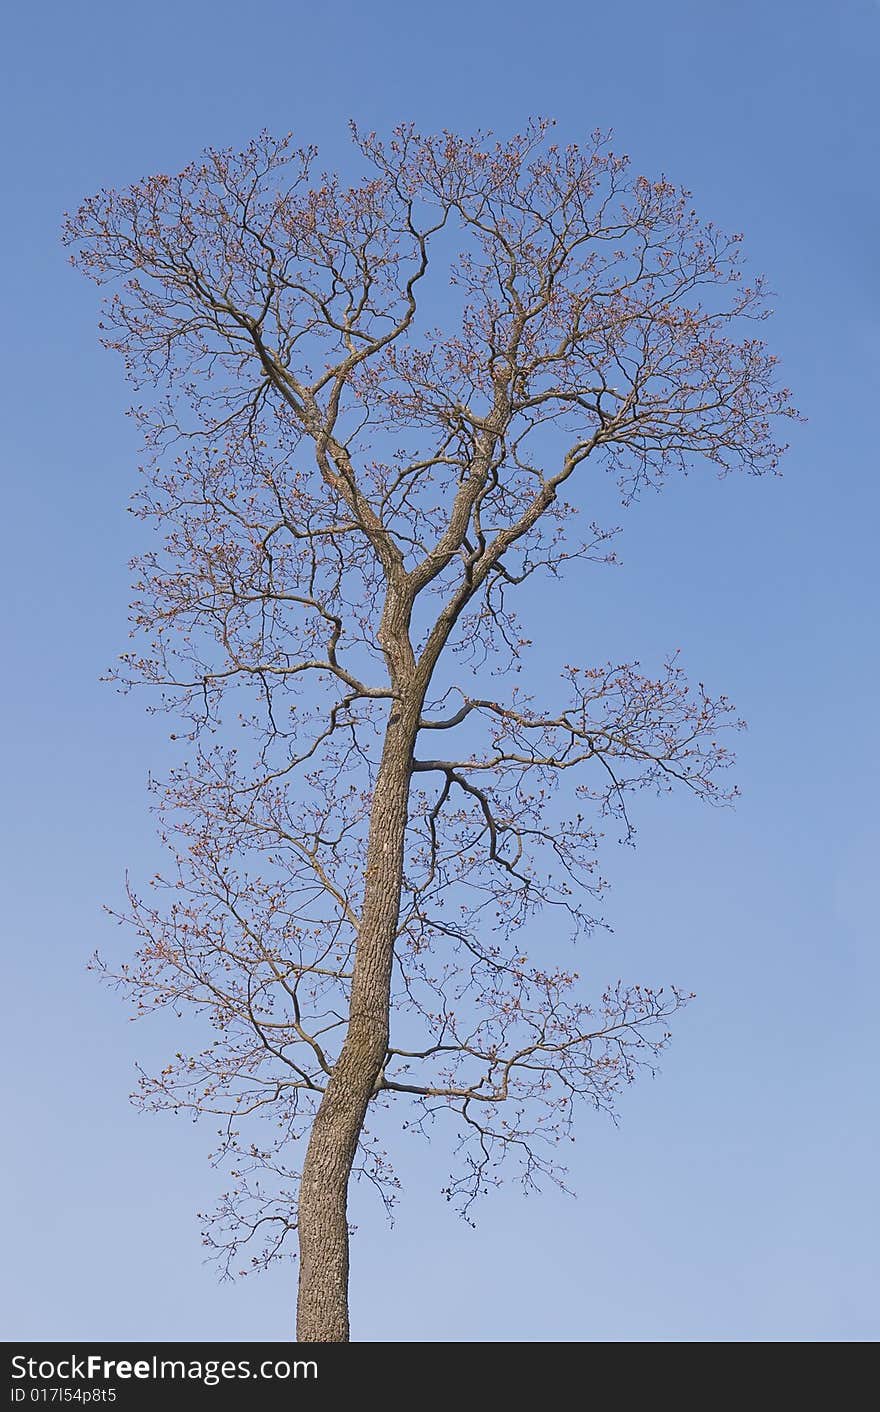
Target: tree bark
{"points": [[322, 1311]]}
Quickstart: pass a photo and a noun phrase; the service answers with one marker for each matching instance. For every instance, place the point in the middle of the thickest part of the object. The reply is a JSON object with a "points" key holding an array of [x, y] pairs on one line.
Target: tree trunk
{"points": [[322, 1312]]}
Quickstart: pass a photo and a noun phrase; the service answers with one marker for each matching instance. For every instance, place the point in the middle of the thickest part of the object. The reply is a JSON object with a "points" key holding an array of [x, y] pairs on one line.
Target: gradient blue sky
{"points": [[737, 1200]]}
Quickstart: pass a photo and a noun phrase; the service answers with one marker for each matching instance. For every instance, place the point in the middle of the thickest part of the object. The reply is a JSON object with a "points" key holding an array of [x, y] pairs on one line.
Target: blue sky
{"points": [[737, 1199]]}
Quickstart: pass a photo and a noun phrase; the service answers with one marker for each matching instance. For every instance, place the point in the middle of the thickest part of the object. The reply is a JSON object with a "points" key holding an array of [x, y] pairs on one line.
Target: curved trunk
{"points": [[322, 1312]]}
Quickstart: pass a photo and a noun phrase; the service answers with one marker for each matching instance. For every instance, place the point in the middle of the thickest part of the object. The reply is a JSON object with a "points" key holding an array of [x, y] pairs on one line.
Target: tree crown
{"points": [[351, 476]]}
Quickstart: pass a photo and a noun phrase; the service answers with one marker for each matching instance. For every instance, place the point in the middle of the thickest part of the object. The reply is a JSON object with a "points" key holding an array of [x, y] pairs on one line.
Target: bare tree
{"points": [[352, 475]]}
